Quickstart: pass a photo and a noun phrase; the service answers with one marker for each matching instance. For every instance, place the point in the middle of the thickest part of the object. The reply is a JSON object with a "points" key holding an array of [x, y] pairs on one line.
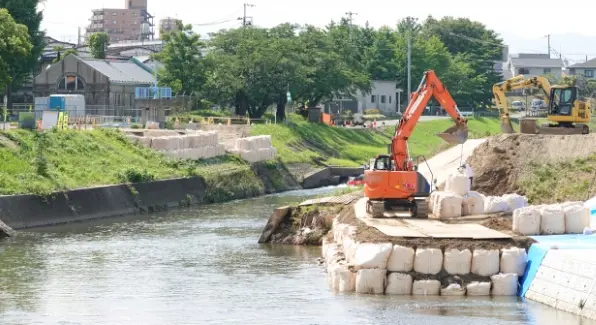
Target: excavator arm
{"points": [[430, 87], [515, 83]]}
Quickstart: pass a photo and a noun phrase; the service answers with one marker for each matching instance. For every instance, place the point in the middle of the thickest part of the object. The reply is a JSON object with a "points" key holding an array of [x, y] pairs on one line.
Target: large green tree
{"points": [[14, 46], [98, 45], [481, 46], [22, 69], [183, 60], [379, 57]]}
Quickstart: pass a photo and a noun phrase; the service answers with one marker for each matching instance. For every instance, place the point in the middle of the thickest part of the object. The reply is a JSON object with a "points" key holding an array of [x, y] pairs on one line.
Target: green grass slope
{"points": [[303, 142], [40, 163]]}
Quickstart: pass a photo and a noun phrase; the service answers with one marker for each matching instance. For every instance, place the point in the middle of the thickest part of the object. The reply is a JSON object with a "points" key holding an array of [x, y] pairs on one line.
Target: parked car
{"points": [[520, 106], [538, 104], [358, 119]]}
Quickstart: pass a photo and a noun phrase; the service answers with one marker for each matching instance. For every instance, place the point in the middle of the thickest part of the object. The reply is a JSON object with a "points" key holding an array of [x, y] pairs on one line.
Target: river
{"points": [[203, 265]]}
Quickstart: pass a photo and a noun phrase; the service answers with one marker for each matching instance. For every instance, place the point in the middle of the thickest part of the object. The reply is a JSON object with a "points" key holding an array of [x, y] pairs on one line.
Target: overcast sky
{"points": [[514, 20]]}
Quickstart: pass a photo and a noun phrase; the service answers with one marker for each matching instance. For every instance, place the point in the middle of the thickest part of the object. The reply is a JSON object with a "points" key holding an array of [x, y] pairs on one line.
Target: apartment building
{"points": [[133, 22]]}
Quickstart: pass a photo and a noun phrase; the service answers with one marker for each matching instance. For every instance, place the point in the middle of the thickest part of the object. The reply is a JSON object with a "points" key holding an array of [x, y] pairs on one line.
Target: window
{"points": [[71, 82], [546, 70], [372, 99], [114, 14], [114, 22], [383, 99], [523, 71], [389, 99], [589, 73]]}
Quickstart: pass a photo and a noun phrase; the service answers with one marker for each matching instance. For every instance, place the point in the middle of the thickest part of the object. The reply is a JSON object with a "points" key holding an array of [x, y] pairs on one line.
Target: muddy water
{"points": [[203, 266]]}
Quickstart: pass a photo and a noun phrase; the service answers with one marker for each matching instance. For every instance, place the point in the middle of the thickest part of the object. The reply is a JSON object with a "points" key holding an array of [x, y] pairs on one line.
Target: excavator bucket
{"points": [[457, 134], [506, 126]]}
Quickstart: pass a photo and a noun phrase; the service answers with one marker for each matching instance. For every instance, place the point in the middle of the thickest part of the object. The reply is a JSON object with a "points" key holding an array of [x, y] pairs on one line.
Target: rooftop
{"points": [[532, 60], [120, 72], [587, 64]]}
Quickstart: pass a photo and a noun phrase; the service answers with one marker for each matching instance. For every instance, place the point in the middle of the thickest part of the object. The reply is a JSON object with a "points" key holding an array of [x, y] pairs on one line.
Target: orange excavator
{"points": [[392, 181]]}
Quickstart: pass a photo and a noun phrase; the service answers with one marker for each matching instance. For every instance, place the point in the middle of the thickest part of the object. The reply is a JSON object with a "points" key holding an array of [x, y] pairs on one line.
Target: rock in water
{"points": [[6, 231]]}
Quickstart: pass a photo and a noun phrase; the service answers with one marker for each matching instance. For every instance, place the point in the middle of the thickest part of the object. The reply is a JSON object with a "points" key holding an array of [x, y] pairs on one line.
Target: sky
{"points": [[520, 23]]}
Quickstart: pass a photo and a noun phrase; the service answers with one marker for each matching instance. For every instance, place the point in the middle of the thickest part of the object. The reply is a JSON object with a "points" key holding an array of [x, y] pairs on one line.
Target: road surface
{"points": [[448, 161]]}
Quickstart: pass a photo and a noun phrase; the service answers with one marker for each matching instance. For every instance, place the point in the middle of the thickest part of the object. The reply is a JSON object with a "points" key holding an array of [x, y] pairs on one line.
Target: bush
{"points": [[132, 175], [372, 111]]}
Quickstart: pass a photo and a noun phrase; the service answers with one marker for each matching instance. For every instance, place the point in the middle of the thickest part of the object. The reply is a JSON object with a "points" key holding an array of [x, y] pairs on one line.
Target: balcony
{"points": [[97, 19], [97, 12]]}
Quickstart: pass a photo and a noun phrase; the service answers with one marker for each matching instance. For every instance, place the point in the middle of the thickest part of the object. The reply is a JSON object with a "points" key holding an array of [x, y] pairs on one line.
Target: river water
{"points": [[203, 266]]}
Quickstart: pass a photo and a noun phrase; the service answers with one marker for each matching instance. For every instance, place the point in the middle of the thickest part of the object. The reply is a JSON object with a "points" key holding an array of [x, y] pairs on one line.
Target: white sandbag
{"points": [[478, 289], [513, 260], [435, 200], [428, 261], [331, 253], [458, 262], [526, 221], [495, 204], [453, 289], [515, 201], [426, 288], [472, 204], [577, 218], [431, 202], [349, 249], [372, 256], [401, 259], [457, 183], [371, 281], [504, 284], [344, 280], [568, 204], [159, 143], [485, 262], [552, 220], [399, 284], [448, 206], [145, 141]]}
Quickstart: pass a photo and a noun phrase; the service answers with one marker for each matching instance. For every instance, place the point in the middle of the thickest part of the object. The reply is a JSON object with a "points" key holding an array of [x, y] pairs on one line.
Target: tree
{"points": [[98, 45], [379, 58], [23, 68], [61, 53], [481, 46], [184, 66], [409, 25], [14, 46], [427, 54]]}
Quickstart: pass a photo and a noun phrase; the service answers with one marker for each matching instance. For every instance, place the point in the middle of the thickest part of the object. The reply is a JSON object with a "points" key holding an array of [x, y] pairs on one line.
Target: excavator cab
{"points": [[566, 114], [561, 100]]}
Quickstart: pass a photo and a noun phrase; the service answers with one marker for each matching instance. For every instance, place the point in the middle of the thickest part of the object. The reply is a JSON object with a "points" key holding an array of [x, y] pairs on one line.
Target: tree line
{"points": [[252, 68]]}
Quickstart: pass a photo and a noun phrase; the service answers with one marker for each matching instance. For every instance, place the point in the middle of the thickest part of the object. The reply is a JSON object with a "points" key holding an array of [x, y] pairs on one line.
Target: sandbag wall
{"points": [[255, 149], [458, 200], [554, 219], [193, 145], [384, 268]]}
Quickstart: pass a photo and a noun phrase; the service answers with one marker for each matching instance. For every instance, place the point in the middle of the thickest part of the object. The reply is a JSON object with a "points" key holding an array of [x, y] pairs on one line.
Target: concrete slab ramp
{"points": [[447, 161]]}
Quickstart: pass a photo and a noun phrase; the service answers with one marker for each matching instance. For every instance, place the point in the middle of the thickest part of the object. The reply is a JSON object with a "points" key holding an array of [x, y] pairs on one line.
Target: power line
{"points": [[244, 18]]}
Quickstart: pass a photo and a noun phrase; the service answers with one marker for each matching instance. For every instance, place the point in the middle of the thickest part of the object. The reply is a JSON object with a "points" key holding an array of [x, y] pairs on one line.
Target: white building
{"points": [[384, 96], [532, 65]]}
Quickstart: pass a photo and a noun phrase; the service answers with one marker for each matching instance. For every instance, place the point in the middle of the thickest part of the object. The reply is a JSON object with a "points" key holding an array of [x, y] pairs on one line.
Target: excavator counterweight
{"points": [[392, 182]]}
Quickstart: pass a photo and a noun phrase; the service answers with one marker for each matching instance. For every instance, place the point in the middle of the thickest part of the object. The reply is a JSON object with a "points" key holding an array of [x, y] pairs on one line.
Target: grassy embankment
{"points": [[303, 142], [40, 163], [559, 182]]}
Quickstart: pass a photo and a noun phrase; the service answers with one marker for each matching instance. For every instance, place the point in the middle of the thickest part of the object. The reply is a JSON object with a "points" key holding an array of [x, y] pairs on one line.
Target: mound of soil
{"points": [[501, 161]]}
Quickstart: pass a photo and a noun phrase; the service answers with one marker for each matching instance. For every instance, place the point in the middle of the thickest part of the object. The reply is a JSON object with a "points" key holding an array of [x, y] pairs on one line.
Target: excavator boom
{"points": [[393, 181]]}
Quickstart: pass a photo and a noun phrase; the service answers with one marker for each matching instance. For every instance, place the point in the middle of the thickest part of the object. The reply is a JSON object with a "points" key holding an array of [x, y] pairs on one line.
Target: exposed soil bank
{"points": [[28, 211], [503, 162]]}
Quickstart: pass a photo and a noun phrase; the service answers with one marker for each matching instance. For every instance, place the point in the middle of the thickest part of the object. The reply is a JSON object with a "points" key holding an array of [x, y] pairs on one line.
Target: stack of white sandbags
{"points": [[255, 149], [392, 269], [193, 145], [554, 219], [458, 200]]}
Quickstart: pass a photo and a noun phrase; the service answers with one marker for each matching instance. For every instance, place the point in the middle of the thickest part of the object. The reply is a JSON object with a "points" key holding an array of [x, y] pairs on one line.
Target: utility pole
{"points": [[409, 66], [350, 19], [244, 17], [548, 40]]}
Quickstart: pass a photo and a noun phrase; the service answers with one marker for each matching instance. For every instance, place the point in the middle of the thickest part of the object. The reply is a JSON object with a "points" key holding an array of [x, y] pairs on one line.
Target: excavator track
{"points": [[578, 128], [421, 209], [375, 208]]}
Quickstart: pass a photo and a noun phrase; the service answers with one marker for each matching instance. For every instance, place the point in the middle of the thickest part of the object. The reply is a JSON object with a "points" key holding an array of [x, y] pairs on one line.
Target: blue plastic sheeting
{"points": [[536, 254], [568, 241]]}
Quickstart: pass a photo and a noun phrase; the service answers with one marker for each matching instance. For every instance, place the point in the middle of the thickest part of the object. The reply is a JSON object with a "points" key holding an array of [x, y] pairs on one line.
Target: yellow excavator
{"points": [[564, 112]]}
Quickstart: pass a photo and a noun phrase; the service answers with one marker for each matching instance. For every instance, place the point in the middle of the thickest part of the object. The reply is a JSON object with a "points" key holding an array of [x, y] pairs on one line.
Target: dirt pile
{"points": [[501, 161]]}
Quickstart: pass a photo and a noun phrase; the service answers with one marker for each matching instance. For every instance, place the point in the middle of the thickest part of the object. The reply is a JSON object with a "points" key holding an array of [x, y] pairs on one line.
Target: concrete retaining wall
{"points": [[563, 278], [28, 211]]}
